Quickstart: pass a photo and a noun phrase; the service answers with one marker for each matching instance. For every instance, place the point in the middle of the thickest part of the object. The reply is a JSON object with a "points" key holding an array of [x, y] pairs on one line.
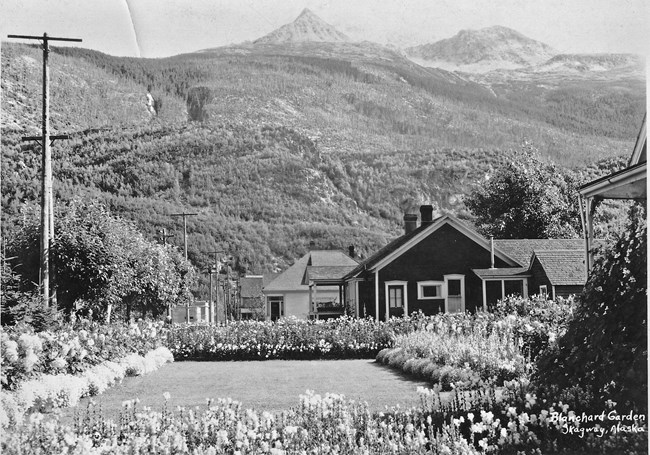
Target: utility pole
{"points": [[211, 270], [184, 215], [164, 236], [47, 203], [216, 265]]}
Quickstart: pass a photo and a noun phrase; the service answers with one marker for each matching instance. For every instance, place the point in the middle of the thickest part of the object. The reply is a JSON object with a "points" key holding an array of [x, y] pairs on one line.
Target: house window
{"points": [[276, 307], [430, 290], [543, 291], [395, 296]]}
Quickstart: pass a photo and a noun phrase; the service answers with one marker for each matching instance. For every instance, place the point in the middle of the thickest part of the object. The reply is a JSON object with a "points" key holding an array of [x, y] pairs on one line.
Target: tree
{"points": [[604, 350], [103, 263], [198, 99], [528, 198]]}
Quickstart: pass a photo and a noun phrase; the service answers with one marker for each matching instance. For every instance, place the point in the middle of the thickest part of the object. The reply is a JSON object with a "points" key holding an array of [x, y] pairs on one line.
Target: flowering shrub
{"points": [[51, 391], [71, 349], [459, 349], [536, 320], [464, 349], [288, 338]]}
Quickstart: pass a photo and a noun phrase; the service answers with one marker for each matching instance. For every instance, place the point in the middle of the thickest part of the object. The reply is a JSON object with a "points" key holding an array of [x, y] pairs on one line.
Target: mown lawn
{"points": [[272, 385]]}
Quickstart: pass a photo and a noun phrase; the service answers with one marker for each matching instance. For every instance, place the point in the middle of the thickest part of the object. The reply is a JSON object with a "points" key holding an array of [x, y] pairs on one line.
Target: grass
{"points": [[272, 385]]}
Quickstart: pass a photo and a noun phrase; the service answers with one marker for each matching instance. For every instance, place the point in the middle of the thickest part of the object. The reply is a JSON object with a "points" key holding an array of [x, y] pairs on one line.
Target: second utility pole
{"points": [[184, 215]]}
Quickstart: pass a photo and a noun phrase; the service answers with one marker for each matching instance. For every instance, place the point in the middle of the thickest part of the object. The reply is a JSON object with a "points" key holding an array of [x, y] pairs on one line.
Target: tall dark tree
{"points": [[527, 198], [604, 350]]}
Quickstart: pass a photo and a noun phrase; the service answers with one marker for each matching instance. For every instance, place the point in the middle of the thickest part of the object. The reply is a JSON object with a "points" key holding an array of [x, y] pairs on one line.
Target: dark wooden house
{"points": [[444, 265]]}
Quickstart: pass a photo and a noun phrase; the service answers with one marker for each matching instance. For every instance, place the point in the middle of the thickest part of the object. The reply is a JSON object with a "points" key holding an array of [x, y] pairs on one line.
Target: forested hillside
{"points": [[276, 147]]}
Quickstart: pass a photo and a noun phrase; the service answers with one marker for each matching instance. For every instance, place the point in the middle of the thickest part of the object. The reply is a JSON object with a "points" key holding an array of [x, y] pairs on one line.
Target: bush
{"points": [[604, 350], [460, 348], [71, 349]]}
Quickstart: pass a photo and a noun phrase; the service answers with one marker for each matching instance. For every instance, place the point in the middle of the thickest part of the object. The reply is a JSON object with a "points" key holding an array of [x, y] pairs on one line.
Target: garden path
{"points": [[272, 385]]}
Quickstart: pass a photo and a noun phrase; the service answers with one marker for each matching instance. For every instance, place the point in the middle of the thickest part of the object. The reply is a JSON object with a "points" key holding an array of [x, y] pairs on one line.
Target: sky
{"points": [[161, 28]]}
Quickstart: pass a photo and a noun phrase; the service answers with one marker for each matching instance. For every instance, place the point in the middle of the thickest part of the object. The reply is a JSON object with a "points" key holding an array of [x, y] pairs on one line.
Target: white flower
{"points": [[30, 360], [167, 396]]}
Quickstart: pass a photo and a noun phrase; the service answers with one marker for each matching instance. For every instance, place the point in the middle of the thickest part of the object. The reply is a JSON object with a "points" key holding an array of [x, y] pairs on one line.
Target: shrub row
{"points": [[287, 338]]}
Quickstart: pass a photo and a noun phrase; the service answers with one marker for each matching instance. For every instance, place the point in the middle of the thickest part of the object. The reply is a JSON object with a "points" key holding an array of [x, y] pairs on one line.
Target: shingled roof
{"points": [[323, 263], [251, 285], [562, 267], [328, 273], [522, 249]]}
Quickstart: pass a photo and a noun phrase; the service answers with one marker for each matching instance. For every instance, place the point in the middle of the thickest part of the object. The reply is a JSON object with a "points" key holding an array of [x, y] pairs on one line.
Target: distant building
{"points": [[312, 287], [252, 300]]}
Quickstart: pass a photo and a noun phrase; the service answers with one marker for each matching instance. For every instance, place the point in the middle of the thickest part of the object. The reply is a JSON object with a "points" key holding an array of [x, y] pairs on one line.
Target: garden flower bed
{"points": [[331, 424], [463, 350], [72, 349], [51, 391], [288, 338], [48, 370]]}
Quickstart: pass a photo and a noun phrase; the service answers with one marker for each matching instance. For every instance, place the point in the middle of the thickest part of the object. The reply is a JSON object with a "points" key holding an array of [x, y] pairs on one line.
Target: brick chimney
{"points": [[351, 252], [312, 245], [426, 214], [410, 222]]}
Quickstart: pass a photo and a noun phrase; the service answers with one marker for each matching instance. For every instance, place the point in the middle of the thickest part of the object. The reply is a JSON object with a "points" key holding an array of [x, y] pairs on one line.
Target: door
{"points": [[276, 310], [455, 301]]}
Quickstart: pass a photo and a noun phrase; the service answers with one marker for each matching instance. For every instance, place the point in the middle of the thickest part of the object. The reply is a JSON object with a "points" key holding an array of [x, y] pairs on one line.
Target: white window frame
{"points": [[405, 303], [503, 280], [455, 276], [422, 284]]}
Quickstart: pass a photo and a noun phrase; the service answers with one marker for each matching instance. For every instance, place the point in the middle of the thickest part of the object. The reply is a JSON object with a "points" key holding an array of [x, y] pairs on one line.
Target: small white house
{"points": [[311, 288]]}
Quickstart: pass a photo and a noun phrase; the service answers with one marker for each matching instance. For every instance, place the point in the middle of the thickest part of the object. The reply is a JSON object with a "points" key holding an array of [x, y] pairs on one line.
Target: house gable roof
{"points": [[562, 267], [320, 262], [404, 243]]}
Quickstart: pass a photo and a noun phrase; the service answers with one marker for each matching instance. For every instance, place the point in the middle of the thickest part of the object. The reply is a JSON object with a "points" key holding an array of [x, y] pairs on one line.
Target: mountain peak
{"points": [[307, 12], [486, 49], [307, 27]]}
